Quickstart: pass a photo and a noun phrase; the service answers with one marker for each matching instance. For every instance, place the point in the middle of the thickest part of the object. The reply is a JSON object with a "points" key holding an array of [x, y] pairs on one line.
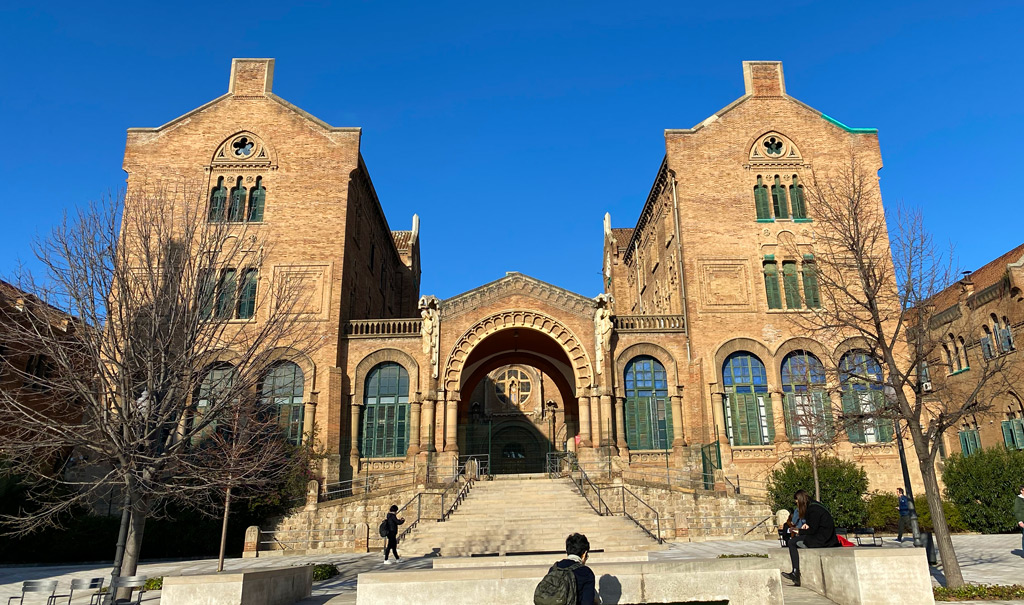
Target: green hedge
{"points": [[954, 519], [843, 484], [983, 486], [884, 515]]}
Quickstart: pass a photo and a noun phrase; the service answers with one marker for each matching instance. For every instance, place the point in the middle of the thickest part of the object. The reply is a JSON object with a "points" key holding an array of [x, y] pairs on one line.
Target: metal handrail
{"points": [[603, 508], [657, 517], [368, 482], [758, 524], [419, 512], [459, 498]]}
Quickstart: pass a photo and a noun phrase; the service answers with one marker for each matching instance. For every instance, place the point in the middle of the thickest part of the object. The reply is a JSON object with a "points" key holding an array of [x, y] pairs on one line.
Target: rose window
{"points": [[773, 146]]}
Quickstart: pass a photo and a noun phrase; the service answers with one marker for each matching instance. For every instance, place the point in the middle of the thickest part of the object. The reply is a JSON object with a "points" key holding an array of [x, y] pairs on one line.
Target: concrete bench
{"points": [[741, 581], [863, 576], [268, 587], [509, 560]]}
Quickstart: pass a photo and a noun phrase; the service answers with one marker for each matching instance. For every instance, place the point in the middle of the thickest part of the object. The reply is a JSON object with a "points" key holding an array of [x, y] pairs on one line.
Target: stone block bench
{"points": [[267, 587], [741, 581], [510, 560], [863, 576]]}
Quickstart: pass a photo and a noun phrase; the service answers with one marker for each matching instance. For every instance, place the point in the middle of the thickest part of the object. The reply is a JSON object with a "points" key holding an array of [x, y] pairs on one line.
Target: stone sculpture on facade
{"points": [[602, 329], [430, 331]]}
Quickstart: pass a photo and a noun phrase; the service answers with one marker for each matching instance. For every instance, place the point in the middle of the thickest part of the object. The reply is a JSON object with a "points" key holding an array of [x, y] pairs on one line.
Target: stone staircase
{"points": [[520, 514]]}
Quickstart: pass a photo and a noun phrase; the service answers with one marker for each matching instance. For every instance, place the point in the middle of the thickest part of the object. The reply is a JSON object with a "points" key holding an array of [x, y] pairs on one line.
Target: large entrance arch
{"points": [[518, 377]]}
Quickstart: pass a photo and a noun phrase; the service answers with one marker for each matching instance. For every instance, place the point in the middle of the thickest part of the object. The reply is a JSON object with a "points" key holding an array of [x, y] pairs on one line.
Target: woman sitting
{"points": [[818, 530]]}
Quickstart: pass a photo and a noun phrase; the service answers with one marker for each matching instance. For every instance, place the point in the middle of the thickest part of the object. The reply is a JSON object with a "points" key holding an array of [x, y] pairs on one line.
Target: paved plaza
{"points": [[984, 559]]}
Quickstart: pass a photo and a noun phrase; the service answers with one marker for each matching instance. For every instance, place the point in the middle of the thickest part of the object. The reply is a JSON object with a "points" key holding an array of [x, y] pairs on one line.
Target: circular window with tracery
{"points": [[512, 386], [773, 146]]}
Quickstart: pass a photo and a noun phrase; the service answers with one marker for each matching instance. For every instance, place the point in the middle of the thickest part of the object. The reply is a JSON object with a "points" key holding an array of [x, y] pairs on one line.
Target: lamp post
{"points": [[551, 406]]}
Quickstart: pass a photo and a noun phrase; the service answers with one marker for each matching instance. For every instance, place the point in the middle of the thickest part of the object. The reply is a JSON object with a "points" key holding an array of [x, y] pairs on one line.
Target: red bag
{"points": [[844, 542]]}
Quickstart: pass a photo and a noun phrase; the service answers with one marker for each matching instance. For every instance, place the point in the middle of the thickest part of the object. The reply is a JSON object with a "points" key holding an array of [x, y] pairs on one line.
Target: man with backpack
{"points": [[569, 581], [389, 530]]}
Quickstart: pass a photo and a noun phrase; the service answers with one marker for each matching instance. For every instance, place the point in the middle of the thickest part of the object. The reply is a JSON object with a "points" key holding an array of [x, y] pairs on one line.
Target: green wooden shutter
{"points": [[226, 294], [1008, 435], [823, 409], [789, 409], [643, 423], [1018, 432], [256, 198], [631, 432], [739, 404], [666, 436], [779, 203], [761, 200], [792, 285], [236, 212], [965, 447], [851, 408], [771, 285], [247, 296], [796, 196], [976, 437], [811, 297], [753, 418], [218, 198]]}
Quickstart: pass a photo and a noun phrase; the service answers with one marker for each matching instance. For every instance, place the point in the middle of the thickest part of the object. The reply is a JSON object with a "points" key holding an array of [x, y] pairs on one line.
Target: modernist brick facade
{"points": [[685, 290]]}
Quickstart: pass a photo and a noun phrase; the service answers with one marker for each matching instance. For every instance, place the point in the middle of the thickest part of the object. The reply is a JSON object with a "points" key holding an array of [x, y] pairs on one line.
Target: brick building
{"points": [[689, 354], [973, 327]]}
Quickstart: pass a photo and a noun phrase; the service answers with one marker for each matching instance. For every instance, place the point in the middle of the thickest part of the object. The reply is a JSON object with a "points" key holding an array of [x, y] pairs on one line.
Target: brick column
{"points": [[451, 425], [309, 415], [427, 425], [584, 405], [779, 416], [718, 410], [353, 452], [606, 420], [595, 420], [414, 428], [620, 425], [678, 434]]}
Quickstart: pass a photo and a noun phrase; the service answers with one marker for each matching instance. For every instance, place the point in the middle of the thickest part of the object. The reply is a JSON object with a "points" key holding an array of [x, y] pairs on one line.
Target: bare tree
{"points": [[883, 293], [165, 294], [810, 427]]}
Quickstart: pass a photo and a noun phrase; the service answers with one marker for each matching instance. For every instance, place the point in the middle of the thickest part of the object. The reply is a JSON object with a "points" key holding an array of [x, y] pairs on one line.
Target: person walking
{"points": [[1018, 512], [817, 531], [569, 577], [392, 522], [903, 505]]}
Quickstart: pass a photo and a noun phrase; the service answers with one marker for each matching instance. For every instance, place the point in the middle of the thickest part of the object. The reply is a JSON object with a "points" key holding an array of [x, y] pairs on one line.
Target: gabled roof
{"points": [[990, 274], [515, 283], [403, 240], [621, 236]]}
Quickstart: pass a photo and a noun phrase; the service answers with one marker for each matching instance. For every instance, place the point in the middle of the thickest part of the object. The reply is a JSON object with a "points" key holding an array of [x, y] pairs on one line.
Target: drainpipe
{"points": [[682, 273]]}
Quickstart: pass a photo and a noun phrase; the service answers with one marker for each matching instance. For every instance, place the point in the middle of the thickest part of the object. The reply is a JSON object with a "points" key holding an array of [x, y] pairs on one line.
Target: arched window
{"points": [[216, 384], [218, 201], [807, 406], [860, 378], [988, 342], [957, 363], [256, 198], [761, 200], [1005, 336], [236, 211], [282, 388], [963, 351], [748, 410], [1013, 426], [648, 415], [779, 203], [796, 198], [970, 437], [386, 412]]}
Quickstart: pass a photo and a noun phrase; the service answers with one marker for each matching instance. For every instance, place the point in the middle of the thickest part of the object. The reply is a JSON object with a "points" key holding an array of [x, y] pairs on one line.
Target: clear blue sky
{"points": [[511, 128]]}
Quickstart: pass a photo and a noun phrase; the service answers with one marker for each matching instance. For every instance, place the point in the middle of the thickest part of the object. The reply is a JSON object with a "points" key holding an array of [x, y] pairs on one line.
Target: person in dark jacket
{"points": [[817, 531], [392, 522], [577, 549], [903, 506]]}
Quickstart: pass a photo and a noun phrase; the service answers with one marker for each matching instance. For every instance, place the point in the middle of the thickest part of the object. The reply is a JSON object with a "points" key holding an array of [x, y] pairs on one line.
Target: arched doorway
{"points": [[517, 399]]}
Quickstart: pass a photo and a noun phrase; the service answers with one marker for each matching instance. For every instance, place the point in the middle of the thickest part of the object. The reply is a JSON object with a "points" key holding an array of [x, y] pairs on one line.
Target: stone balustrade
{"points": [[374, 328], [649, 323]]}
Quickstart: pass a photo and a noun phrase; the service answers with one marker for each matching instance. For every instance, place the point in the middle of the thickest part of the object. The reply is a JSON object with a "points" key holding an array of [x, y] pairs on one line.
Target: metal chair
{"points": [[93, 584], [137, 583], [42, 586]]}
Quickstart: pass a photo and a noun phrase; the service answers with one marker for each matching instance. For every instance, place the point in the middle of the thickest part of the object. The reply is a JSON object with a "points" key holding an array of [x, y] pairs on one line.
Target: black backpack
{"points": [[558, 587], [383, 530]]}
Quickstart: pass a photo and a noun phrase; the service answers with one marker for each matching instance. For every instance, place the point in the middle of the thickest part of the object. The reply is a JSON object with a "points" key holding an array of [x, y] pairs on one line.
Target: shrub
{"points": [[954, 519], [983, 486], [324, 571], [843, 485], [979, 592], [883, 513], [154, 584]]}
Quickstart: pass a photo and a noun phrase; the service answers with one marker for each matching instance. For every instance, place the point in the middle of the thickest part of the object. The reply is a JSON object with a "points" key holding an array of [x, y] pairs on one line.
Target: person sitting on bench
{"points": [[817, 531]]}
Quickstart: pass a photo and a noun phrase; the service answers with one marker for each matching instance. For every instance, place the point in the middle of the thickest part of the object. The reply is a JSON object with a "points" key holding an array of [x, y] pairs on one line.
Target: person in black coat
{"points": [[392, 523], [817, 531], [577, 549]]}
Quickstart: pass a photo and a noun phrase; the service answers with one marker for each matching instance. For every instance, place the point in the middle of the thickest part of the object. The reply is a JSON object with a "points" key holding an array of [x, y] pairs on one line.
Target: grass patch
{"points": [[323, 571], [979, 592], [743, 556], [154, 583]]}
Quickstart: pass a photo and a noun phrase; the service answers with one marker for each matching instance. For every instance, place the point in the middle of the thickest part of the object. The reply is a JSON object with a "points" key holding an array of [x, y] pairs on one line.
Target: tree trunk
{"points": [[122, 536], [814, 469], [133, 546], [950, 566], [224, 528]]}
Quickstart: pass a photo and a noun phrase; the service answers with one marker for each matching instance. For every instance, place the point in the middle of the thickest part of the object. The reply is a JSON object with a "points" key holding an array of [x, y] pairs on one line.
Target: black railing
{"points": [[368, 483], [641, 514]]}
